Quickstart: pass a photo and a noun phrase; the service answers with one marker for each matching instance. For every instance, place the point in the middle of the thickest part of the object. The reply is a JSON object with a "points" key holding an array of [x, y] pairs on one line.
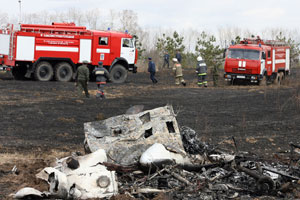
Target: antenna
{"points": [[20, 10]]}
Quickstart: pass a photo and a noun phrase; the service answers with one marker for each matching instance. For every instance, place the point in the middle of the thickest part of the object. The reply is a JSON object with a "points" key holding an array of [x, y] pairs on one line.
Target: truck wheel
{"points": [[118, 74], [63, 72], [43, 71]]}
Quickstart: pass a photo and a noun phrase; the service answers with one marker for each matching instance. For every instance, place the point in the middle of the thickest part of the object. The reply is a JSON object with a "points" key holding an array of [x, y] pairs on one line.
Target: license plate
{"points": [[240, 76]]}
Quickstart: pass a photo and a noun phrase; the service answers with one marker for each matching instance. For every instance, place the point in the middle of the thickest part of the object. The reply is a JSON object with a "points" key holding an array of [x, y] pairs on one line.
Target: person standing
{"points": [[201, 71], [178, 56], [102, 75], [166, 59], [178, 72], [83, 77], [152, 70]]}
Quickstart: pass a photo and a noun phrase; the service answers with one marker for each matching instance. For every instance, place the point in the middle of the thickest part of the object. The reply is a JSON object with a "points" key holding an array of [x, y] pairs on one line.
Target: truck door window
{"points": [[127, 43], [269, 54], [103, 40]]}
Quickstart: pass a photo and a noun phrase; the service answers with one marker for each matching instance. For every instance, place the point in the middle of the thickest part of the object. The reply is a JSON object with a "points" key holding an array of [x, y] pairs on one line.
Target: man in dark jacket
{"points": [[201, 70], [102, 75], [166, 59], [178, 56], [83, 77], [152, 70]]}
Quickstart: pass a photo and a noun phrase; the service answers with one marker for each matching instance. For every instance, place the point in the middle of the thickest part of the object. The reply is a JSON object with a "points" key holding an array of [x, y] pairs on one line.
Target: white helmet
{"points": [[174, 60], [199, 58]]}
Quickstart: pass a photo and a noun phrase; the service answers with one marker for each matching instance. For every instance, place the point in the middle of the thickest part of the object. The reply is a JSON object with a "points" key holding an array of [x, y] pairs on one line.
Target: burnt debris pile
{"points": [[144, 154]]}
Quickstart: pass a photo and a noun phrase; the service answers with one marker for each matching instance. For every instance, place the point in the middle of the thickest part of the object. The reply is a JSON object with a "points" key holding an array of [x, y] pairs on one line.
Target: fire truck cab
{"points": [[55, 51], [257, 61]]}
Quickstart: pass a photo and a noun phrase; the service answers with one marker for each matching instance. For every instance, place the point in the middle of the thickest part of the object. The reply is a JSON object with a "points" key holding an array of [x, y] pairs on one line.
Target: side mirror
{"points": [[263, 55], [224, 53]]}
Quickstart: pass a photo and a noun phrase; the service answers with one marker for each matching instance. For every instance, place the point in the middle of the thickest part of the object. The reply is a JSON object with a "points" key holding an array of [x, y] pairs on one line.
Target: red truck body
{"points": [[257, 61], [55, 51]]}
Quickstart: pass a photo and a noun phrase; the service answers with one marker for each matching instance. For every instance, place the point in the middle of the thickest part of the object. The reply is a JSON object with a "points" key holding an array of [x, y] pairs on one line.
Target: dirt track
{"points": [[46, 118]]}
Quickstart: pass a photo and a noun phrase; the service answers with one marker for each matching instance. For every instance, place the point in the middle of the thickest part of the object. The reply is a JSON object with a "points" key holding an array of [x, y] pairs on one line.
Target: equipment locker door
{"points": [[128, 50], [85, 50], [25, 48]]}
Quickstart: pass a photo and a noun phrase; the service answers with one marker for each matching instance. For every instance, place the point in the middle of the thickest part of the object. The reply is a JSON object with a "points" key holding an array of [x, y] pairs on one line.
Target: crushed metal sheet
{"points": [[126, 137]]}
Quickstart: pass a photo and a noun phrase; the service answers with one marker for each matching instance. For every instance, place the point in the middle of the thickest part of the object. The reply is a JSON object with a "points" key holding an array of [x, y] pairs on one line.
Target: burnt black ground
{"points": [[50, 115], [40, 116]]}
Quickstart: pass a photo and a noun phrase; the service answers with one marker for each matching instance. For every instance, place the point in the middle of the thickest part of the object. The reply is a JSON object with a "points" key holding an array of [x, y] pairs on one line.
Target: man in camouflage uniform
{"points": [[178, 72], [102, 75], [83, 77], [201, 71]]}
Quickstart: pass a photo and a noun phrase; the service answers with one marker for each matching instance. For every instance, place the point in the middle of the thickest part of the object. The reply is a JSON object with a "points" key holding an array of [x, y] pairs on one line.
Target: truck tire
{"points": [[118, 74], [63, 72], [43, 71]]}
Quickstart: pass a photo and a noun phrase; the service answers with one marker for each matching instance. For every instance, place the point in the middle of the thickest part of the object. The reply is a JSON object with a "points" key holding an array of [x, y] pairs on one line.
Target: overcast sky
{"points": [[182, 14]]}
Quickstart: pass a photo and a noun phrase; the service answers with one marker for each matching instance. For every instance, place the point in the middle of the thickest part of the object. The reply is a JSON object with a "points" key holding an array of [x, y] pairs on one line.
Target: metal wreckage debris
{"points": [[143, 153]]}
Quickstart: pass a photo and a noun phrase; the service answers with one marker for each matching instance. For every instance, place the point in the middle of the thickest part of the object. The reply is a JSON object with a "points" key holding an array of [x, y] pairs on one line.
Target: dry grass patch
{"points": [[69, 120], [251, 140]]}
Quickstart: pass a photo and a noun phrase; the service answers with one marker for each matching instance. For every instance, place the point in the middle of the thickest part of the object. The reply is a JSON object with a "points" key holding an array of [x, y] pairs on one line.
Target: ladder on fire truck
{"points": [[10, 30], [258, 40], [56, 28]]}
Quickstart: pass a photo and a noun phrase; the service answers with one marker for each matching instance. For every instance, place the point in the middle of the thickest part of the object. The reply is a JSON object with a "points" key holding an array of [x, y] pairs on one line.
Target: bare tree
{"points": [[92, 18]]}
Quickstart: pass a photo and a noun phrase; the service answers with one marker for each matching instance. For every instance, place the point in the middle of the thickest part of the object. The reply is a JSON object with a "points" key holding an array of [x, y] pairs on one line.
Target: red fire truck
{"points": [[55, 51], [257, 61]]}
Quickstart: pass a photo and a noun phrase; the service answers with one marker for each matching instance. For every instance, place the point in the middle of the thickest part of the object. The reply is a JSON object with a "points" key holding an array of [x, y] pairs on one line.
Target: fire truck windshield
{"points": [[243, 54]]}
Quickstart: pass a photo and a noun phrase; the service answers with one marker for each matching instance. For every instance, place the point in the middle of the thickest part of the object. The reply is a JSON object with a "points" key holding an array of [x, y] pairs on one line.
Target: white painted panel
{"points": [[244, 63], [25, 48], [53, 48], [287, 59], [279, 61], [103, 50], [4, 44], [273, 61], [85, 50]]}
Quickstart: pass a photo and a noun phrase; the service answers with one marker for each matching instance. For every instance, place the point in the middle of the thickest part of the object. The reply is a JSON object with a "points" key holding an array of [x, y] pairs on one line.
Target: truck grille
{"points": [[247, 71]]}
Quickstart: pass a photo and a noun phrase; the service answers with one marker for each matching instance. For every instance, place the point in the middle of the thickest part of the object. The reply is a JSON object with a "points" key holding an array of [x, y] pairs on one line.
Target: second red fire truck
{"points": [[257, 61], [48, 52]]}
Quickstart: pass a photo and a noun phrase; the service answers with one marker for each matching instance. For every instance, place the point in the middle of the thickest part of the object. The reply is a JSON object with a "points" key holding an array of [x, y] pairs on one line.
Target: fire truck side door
{"points": [[128, 50], [103, 51]]}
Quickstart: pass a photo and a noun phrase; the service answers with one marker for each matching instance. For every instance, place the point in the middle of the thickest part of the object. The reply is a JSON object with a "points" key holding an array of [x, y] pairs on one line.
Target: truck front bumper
{"points": [[254, 78], [5, 68]]}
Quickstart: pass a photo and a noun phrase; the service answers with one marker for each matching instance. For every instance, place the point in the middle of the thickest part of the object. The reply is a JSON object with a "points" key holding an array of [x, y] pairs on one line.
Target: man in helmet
{"points": [[83, 77], [102, 76], [201, 70], [178, 72]]}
